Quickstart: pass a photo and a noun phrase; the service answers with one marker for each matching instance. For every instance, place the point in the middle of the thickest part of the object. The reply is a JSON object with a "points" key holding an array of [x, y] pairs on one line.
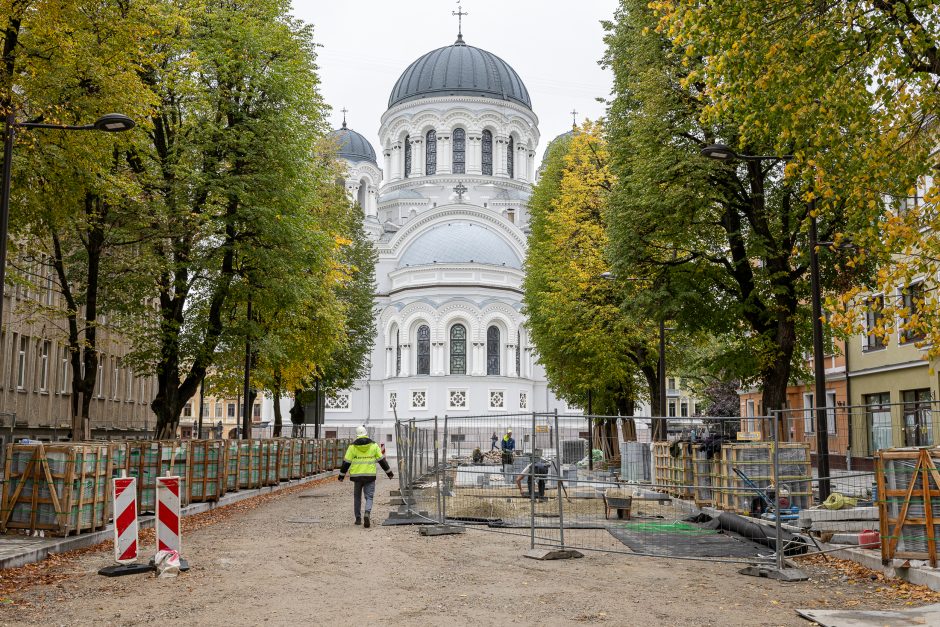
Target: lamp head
{"points": [[719, 152], [113, 123]]}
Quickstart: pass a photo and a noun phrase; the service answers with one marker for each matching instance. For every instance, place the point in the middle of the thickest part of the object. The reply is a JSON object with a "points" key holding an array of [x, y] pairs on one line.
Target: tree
{"points": [[78, 203], [233, 159], [850, 89], [723, 244], [585, 342]]}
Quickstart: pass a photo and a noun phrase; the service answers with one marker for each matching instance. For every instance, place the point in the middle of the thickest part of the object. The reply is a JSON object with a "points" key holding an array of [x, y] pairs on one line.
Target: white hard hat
{"points": [[361, 432]]}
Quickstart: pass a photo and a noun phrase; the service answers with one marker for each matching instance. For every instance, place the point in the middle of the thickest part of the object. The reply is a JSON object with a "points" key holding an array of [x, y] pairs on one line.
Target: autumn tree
{"points": [[233, 158], [850, 89], [723, 245], [585, 342]]}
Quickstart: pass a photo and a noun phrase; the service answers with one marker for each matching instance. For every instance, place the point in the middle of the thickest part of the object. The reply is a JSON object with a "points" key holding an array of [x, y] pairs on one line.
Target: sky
{"points": [[553, 46]]}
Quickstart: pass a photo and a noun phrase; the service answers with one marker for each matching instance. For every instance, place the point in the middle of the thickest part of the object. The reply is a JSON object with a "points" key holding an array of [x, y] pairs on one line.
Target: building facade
{"points": [[448, 214]]}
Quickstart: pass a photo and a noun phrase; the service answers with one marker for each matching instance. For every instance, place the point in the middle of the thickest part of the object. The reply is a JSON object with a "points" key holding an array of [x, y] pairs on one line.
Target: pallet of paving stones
{"points": [[206, 475], [149, 459], [58, 489], [909, 503]]}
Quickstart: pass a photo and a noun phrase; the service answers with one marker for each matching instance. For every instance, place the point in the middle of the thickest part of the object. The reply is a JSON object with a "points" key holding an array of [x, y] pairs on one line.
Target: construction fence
{"points": [[64, 488], [719, 488]]}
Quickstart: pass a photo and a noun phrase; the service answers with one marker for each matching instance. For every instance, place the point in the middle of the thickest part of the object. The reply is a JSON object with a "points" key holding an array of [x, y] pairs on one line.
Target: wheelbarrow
{"points": [[617, 500]]}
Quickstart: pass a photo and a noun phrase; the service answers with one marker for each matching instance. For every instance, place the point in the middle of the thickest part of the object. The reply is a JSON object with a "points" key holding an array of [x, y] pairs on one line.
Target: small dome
{"points": [[563, 137], [353, 146], [459, 70], [460, 242]]}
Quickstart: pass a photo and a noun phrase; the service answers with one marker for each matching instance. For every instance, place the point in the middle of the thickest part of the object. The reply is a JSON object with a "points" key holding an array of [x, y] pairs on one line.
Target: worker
{"points": [[477, 456], [359, 462], [508, 447], [538, 469], [493, 441]]}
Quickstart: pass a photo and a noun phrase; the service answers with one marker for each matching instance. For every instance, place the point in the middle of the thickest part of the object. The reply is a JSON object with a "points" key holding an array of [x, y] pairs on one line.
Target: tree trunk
{"points": [[659, 422], [776, 379], [277, 410], [625, 408]]}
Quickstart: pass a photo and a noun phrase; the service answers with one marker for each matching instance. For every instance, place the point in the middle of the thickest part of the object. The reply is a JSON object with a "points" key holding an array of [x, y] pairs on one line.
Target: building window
{"points": [[671, 384], [486, 145], [256, 412], [424, 350], [912, 299], [64, 372], [497, 399], [397, 352], [492, 350], [407, 156], [808, 419], [509, 156], [874, 339], [672, 409], [21, 363], [388, 437], [430, 148], [917, 417], [684, 409], [128, 384], [458, 349], [831, 412], [44, 365], [231, 410], [218, 410], [457, 399], [878, 413], [115, 377], [187, 410], [392, 400], [419, 399], [459, 151], [523, 400], [336, 402]]}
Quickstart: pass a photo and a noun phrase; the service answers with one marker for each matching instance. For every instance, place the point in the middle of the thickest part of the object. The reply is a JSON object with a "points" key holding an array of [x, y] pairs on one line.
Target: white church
{"points": [[447, 211]]}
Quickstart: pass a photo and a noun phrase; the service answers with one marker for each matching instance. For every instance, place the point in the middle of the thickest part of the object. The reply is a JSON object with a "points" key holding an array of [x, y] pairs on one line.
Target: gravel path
{"points": [[259, 567]]}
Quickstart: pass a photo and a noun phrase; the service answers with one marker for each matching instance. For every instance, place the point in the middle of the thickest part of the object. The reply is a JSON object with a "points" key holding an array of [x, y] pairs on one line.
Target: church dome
{"points": [[459, 70], [460, 242], [563, 137], [353, 146]]}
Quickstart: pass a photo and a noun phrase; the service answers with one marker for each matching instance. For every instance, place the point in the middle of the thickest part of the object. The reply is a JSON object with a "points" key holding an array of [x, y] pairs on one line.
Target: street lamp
{"points": [[109, 123], [723, 153]]}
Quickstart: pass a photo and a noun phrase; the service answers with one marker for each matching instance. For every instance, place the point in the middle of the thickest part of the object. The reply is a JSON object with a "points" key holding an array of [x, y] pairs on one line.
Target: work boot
{"points": [[367, 523], [359, 521]]}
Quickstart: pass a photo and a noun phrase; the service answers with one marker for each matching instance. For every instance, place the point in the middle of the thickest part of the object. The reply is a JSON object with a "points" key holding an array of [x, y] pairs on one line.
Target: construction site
{"points": [[522, 528]]}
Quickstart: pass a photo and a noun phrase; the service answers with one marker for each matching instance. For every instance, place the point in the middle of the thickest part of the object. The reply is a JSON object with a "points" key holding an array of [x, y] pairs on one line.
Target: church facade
{"points": [[447, 210]]}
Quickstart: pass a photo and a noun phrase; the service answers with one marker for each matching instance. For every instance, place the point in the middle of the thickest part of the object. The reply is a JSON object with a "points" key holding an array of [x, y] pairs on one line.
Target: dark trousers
{"points": [[367, 486], [541, 486]]}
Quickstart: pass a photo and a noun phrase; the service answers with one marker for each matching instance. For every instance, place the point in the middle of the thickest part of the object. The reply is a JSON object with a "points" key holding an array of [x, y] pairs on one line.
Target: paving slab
{"points": [[18, 550], [926, 615]]}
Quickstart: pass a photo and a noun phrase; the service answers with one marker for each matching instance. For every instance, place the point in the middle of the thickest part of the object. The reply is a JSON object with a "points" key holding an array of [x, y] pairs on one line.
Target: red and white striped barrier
{"points": [[124, 494], [168, 514]]}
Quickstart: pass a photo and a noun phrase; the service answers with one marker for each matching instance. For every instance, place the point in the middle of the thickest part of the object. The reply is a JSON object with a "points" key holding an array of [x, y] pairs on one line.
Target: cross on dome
{"points": [[345, 111], [459, 13], [574, 118]]}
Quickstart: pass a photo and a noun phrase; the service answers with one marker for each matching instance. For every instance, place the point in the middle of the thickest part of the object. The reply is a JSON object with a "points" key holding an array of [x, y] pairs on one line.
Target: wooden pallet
{"points": [[232, 460], [908, 503], [206, 470], [661, 466], [59, 489]]}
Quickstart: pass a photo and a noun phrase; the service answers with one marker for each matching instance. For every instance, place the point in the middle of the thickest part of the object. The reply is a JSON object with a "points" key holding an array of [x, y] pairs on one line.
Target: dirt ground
{"points": [[260, 566]]}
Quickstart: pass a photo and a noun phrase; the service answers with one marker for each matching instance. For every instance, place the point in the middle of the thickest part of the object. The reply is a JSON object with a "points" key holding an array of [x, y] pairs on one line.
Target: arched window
{"points": [[424, 350], [509, 155], [407, 156], [397, 352], [492, 350], [361, 196], [430, 150], [460, 151], [487, 146], [518, 352], [458, 349]]}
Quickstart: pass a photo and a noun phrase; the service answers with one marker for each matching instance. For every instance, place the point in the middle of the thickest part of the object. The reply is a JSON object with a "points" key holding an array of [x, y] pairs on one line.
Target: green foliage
{"points": [[584, 340], [723, 246]]}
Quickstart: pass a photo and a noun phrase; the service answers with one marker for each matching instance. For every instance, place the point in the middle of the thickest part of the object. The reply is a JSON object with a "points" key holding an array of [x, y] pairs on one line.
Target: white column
{"points": [[437, 359], [444, 156], [388, 162], [417, 156], [501, 144], [389, 362], [398, 161], [531, 165], [373, 201], [405, 360], [474, 153], [511, 358], [521, 162], [478, 360]]}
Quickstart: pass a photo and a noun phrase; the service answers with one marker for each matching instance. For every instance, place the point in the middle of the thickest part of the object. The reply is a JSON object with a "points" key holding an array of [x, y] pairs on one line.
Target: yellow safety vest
{"points": [[362, 459]]}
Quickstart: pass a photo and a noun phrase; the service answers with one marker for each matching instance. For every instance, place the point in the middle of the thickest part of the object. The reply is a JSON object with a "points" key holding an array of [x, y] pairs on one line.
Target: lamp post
{"points": [[109, 123], [725, 154]]}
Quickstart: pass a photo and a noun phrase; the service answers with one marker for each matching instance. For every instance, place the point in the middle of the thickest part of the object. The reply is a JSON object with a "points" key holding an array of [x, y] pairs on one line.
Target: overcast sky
{"points": [[553, 46]]}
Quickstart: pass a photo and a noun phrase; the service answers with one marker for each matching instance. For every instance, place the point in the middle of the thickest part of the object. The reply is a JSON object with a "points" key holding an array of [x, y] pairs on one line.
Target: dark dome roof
{"points": [[563, 137], [352, 145], [459, 70]]}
